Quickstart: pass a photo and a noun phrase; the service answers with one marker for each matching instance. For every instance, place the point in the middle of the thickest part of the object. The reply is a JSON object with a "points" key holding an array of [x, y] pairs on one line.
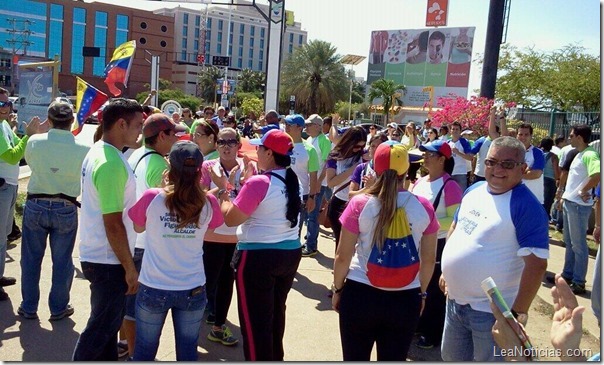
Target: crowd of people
{"points": [[420, 216]]}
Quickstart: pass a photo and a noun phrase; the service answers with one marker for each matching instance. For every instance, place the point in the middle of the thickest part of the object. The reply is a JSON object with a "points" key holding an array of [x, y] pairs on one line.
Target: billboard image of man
{"points": [[436, 43]]}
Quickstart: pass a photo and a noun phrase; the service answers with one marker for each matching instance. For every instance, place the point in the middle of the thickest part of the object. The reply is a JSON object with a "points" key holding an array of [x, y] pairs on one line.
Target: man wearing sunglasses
{"points": [[12, 150], [499, 230], [305, 163]]}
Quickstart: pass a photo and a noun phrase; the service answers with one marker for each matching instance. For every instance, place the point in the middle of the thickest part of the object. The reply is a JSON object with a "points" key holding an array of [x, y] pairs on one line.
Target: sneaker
{"points": [[66, 313], [27, 315], [552, 279], [308, 253], [223, 335], [424, 344], [578, 289], [122, 349], [210, 319], [7, 281]]}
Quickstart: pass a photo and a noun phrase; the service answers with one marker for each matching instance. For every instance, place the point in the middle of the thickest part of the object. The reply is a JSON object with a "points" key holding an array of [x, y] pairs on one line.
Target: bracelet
{"points": [[335, 289], [423, 295]]}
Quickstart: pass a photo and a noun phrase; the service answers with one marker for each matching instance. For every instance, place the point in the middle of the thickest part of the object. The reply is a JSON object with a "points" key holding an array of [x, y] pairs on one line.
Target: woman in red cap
{"points": [[379, 300], [268, 252]]}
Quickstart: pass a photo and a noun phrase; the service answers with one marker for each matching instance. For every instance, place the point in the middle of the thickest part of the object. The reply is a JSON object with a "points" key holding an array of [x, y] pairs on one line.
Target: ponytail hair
{"points": [[184, 196], [449, 165], [292, 189], [386, 190]]}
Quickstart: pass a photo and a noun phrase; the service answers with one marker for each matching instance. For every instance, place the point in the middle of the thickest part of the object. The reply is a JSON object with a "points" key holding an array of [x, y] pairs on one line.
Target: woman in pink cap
{"points": [[266, 211], [380, 300]]}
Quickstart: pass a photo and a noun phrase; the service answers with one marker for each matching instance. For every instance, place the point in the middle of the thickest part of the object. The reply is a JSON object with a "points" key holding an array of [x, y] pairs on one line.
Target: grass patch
{"points": [[559, 236], [19, 206]]}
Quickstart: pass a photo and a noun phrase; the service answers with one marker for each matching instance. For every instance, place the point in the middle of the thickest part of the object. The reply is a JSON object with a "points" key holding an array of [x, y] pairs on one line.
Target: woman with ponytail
{"points": [[268, 250], [172, 276], [378, 304]]}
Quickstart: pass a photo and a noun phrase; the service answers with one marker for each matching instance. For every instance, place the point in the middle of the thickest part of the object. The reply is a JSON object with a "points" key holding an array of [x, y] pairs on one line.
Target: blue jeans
{"points": [[152, 307], [596, 290], [467, 334], [98, 341], [576, 218], [8, 197], [59, 220], [312, 225], [303, 214], [462, 181]]}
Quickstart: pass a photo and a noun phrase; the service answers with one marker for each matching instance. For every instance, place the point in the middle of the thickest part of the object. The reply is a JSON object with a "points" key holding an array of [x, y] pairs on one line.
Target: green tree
{"points": [[389, 92], [566, 79], [316, 77], [207, 82], [252, 104], [163, 95], [250, 81]]}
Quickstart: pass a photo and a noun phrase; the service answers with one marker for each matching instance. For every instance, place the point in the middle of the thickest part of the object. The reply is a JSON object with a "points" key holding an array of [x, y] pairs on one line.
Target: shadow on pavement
{"points": [[41, 344], [313, 290]]}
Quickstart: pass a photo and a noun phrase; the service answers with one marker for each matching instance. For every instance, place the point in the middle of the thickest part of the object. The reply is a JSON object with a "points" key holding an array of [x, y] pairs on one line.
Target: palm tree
{"points": [[250, 81], [389, 92], [207, 82], [315, 76]]}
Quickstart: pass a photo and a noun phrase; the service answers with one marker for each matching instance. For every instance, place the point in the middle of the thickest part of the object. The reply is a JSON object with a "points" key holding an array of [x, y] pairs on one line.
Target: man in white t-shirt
{"points": [[535, 162], [305, 164], [500, 230], [461, 149], [106, 232]]}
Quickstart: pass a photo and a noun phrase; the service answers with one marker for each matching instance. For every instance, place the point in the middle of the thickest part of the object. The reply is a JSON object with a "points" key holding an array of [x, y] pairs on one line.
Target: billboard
{"points": [[417, 58]]}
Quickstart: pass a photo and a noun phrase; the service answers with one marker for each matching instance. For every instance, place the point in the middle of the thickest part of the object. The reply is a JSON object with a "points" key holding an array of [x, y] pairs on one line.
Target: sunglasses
{"points": [[198, 135], [507, 164], [227, 142], [396, 135], [358, 147], [5, 103]]}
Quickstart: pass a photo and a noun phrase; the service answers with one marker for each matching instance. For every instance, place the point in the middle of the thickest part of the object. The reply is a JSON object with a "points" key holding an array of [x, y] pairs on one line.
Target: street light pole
{"points": [[351, 60]]}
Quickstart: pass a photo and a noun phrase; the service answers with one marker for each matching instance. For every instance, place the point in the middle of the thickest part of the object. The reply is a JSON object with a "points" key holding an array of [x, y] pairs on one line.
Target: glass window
{"points": [[231, 38], [300, 39], [231, 27], [241, 39], [262, 32], [196, 32], [185, 18], [183, 55], [291, 48], [56, 12], [208, 35], [241, 28], [78, 37], [250, 64], [239, 63], [291, 37], [100, 41], [220, 22], [219, 48], [185, 31], [261, 43], [196, 45], [208, 47], [230, 50], [197, 20], [240, 53], [55, 31], [260, 65], [184, 43], [209, 23], [122, 22], [261, 54], [252, 30], [219, 36], [251, 42], [251, 53], [121, 33]]}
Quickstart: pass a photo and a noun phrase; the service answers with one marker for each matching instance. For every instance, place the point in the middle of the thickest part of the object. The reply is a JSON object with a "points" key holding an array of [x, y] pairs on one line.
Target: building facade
{"points": [[37, 30]]}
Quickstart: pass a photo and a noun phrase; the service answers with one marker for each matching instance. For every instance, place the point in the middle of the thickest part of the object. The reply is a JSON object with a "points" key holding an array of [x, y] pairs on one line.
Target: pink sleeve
{"points": [[206, 179], [252, 193], [138, 212], [217, 218], [453, 194], [434, 226], [350, 215]]}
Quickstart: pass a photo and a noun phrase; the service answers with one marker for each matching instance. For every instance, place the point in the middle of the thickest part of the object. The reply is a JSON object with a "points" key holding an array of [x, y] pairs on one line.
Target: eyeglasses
{"points": [[507, 164], [198, 135], [431, 154], [358, 147], [227, 142], [396, 134], [5, 103]]}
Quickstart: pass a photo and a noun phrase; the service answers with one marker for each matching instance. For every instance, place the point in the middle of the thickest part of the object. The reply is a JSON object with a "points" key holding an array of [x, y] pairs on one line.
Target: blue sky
{"points": [[347, 24]]}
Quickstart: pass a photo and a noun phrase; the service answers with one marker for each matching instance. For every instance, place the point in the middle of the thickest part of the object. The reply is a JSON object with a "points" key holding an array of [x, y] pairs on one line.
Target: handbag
{"points": [[323, 217]]}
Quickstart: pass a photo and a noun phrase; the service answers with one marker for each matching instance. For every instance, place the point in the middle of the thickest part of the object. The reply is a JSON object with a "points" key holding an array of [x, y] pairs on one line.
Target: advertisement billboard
{"points": [[417, 58]]}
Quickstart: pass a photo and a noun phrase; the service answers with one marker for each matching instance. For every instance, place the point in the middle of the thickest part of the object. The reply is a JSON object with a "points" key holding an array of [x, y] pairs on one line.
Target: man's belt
{"points": [[70, 199]]}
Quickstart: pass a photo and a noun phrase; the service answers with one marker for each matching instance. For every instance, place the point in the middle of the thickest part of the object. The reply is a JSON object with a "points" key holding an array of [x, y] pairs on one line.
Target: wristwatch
{"points": [[220, 192], [335, 290]]}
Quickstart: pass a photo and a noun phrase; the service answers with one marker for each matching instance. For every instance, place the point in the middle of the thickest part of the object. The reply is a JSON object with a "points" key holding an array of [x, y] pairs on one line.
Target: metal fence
{"points": [[556, 123]]}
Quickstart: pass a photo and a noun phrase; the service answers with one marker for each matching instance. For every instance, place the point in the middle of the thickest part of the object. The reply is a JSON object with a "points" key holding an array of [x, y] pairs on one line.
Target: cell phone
{"points": [[196, 291]]}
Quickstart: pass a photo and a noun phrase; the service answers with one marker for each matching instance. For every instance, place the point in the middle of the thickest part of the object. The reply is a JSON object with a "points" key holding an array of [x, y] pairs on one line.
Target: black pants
{"points": [[549, 193], [432, 322], [334, 211], [219, 278], [369, 315], [263, 279]]}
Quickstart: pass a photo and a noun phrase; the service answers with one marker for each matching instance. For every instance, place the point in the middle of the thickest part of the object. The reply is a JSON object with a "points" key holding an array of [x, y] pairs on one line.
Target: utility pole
{"points": [[491, 48], [19, 41]]}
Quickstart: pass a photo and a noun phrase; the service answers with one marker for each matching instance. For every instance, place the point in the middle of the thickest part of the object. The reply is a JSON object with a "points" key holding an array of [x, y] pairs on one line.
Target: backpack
{"points": [[397, 264]]}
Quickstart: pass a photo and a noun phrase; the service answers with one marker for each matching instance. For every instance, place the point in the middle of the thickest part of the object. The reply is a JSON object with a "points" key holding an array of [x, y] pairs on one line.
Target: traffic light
{"points": [[262, 88]]}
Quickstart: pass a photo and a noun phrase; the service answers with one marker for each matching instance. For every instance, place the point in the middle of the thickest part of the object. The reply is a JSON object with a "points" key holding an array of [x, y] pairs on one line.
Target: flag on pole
{"points": [[118, 69], [88, 100]]}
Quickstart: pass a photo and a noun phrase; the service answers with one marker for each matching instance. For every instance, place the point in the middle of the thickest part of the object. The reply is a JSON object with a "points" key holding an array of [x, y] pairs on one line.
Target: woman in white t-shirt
{"points": [[382, 304], [341, 163], [227, 171], [172, 277], [266, 211]]}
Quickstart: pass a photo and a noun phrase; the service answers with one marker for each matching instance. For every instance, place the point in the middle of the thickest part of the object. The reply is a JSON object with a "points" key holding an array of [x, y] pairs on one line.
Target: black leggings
{"points": [[369, 315], [432, 322], [219, 278], [334, 211]]}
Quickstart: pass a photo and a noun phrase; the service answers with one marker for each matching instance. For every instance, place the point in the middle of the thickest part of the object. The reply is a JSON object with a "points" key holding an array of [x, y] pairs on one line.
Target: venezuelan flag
{"points": [[118, 69], [88, 100]]}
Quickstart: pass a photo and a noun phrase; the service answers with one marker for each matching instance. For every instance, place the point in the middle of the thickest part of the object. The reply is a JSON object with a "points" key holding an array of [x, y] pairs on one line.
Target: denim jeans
{"points": [[59, 220], [467, 334], [576, 218], [312, 225], [303, 214], [152, 307], [462, 181], [130, 309], [98, 341], [8, 197]]}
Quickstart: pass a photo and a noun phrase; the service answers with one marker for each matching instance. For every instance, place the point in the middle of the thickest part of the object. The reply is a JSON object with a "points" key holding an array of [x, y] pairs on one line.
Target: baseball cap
{"points": [[221, 108], [158, 122], [391, 156], [467, 132], [295, 119], [393, 125], [315, 119], [185, 156], [268, 127], [276, 140], [439, 146], [60, 111]]}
